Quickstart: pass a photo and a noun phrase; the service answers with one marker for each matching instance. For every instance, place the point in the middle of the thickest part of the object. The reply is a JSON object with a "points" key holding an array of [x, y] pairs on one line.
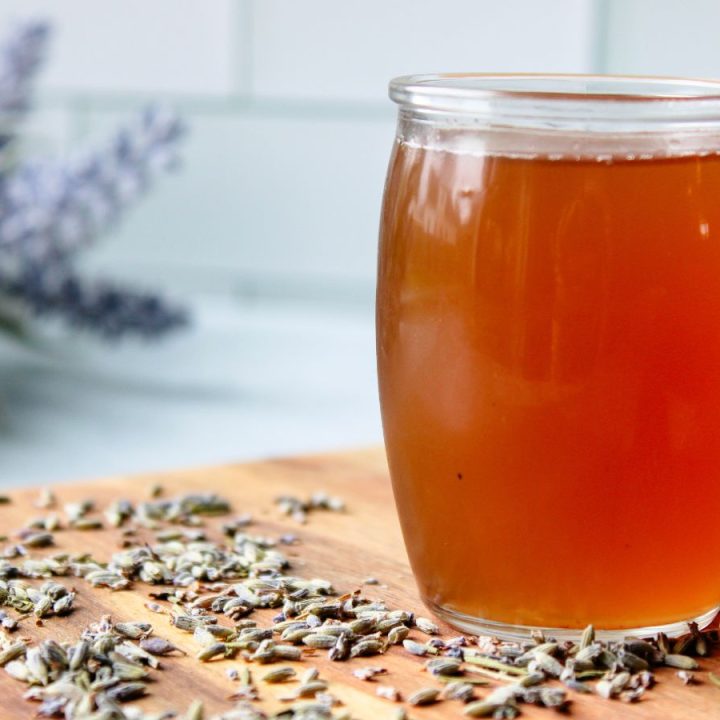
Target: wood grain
{"points": [[342, 547]]}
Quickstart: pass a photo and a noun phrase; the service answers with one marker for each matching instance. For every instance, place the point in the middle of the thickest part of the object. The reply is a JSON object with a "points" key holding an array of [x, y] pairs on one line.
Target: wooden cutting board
{"points": [[342, 547]]}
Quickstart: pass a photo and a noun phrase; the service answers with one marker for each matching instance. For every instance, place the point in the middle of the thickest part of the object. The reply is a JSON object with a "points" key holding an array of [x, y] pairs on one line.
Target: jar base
{"points": [[505, 631]]}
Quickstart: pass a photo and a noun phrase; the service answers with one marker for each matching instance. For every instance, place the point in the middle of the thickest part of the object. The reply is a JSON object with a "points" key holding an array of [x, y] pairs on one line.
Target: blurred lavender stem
{"points": [[50, 210]]}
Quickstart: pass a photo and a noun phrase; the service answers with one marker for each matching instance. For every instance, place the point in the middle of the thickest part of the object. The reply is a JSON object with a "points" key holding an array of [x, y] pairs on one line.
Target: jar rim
{"points": [[634, 102]]}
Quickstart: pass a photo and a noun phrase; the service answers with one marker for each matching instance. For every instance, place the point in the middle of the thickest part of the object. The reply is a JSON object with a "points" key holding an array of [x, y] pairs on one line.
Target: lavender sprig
{"points": [[21, 54], [50, 210], [99, 306]]}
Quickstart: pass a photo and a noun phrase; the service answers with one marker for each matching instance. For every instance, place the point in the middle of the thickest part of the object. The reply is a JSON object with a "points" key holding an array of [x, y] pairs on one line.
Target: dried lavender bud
{"points": [[211, 652], [195, 711], [553, 698], [366, 647], [287, 652], [630, 661], [12, 652], [155, 607], [126, 691], [415, 648], [609, 688], [682, 662], [341, 650], [443, 666], [687, 677], [133, 631], [398, 634], [424, 696], [588, 637], [9, 624], [369, 673], [158, 646], [278, 675], [426, 626], [488, 708], [311, 689], [459, 690], [298, 509], [43, 606], [38, 539], [390, 693], [319, 641], [77, 510], [46, 500], [701, 646]]}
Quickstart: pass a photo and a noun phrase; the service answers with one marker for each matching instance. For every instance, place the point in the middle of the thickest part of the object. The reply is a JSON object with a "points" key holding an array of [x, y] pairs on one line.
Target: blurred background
{"points": [[268, 232]]}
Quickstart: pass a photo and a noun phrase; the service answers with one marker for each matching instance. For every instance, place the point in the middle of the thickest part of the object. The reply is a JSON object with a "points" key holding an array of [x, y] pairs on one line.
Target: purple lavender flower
{"points": [[50, 210], [99, 306], [21, 54]]}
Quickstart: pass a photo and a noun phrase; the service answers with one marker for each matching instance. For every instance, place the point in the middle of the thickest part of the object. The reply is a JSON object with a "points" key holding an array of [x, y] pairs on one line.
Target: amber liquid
{"points": [[549, 364]]}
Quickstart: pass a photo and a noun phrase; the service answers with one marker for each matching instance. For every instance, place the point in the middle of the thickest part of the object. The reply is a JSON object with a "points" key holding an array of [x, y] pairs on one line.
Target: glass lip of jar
{"points": [[617, 103]]}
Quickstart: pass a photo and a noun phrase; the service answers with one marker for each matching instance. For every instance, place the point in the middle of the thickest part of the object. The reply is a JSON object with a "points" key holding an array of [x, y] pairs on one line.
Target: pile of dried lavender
{"points": [[298, 509], [91, 678], [51, 598], [204, 581]]}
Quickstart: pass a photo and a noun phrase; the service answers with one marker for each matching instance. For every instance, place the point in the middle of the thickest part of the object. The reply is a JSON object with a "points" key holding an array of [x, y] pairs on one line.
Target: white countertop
{"points": [[247, 380]]}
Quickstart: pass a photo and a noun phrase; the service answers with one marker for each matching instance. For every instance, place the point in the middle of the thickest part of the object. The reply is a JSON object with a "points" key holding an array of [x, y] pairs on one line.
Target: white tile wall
{"points": [[243, 382], [656, 37], [287, 101], [276, 184], [274, 196], [330, 49], [163, 46]]}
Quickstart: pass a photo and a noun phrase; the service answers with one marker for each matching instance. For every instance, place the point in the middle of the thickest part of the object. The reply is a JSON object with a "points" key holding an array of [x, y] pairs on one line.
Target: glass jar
{"points": [[548, 342]]}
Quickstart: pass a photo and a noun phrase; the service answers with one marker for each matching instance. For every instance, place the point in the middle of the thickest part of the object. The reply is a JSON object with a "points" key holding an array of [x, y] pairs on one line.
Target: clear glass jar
{"points": [[548, 340]]}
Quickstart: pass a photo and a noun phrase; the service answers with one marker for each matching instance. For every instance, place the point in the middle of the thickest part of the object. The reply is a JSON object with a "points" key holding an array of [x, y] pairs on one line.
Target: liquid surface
{"points": [[549, 365]]}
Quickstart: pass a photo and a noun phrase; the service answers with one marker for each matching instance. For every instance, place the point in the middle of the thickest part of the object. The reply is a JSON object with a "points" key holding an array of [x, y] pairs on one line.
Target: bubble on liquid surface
{"points": [[479, 146]]}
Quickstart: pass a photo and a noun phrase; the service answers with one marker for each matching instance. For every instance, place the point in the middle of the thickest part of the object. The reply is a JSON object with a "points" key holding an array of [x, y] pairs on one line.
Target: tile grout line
{"points": [[248, 38], [79, 110], [280, 107], [241, 55], [601, 14]]}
